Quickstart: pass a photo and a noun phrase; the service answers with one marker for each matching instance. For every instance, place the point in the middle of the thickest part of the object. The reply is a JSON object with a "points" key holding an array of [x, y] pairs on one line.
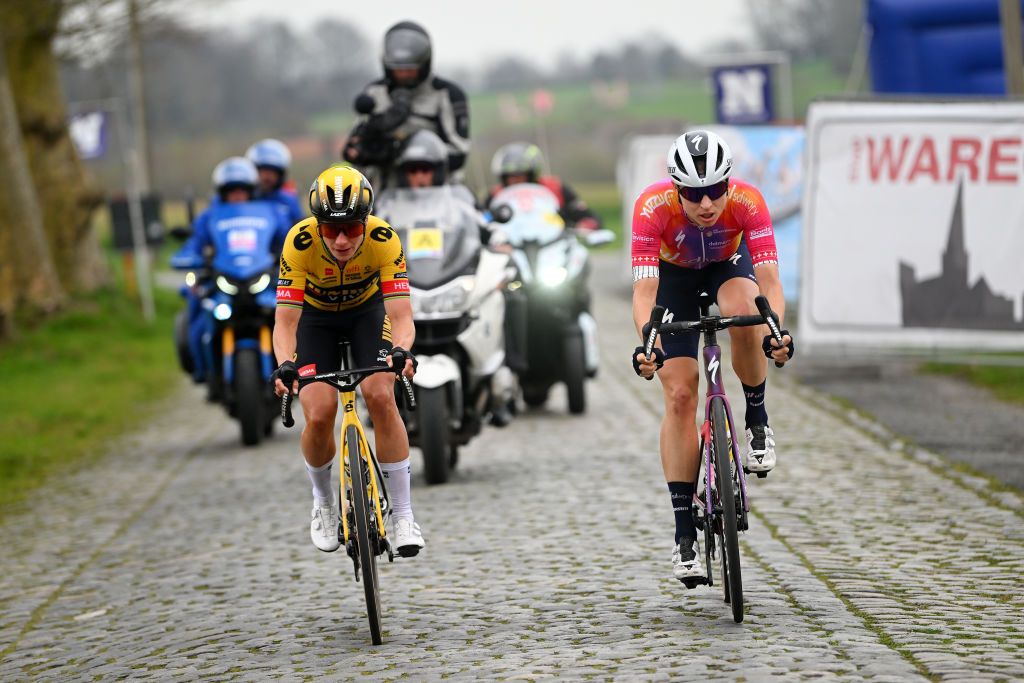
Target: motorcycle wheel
{"points": [[249, 396], [534, 397], [181, 342], [575, 372], [435, 434]]}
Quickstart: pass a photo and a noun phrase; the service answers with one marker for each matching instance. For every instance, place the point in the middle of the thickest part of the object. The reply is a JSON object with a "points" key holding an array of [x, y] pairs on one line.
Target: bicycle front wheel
{"points": [[724, 464], [365, 519]]}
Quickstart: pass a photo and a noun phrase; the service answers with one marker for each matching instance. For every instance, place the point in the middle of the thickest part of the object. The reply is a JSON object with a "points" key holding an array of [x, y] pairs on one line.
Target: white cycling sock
{"points": [[323, 494], [397, 476]]}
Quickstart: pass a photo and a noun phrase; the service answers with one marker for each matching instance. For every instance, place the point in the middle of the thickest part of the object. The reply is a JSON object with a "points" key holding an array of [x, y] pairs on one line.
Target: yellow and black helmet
{"points": [[341, 194]]}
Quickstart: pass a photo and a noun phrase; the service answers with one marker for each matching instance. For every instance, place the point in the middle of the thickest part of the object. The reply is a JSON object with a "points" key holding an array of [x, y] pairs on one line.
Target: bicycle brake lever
{"points": [[286, 410], [765, 309], [410, 396]]}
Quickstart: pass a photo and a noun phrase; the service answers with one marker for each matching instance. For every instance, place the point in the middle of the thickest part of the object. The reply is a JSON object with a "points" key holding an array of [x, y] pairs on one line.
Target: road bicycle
{"points": [[722, 510], [362, 529]]}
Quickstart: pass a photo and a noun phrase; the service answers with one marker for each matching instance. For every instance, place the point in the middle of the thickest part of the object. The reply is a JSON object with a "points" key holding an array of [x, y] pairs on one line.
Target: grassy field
{"points": [[74, 382], [1005, 382]]}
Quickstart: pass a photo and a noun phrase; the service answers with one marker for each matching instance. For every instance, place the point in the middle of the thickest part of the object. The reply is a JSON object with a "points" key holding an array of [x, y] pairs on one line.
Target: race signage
{"points": [[914, 225], [88, 132], [744, 93]]}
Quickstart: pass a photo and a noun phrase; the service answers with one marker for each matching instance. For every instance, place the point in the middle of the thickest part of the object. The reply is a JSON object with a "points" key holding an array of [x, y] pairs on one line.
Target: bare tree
{"points": [[28, 281], [826, 29]]}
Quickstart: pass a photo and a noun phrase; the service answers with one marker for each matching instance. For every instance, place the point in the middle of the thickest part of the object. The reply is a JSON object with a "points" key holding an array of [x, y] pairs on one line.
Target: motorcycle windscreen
{"points": [[439, 234], [243, 235], [535, 215]]}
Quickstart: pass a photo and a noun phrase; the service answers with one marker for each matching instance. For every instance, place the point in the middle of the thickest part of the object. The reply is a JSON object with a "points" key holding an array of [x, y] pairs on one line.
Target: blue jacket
{"points": [[287, 203], [237, 229]]}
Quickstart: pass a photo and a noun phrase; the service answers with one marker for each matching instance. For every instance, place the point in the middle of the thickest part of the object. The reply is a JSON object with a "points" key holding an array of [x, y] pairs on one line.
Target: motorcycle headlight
{"points": [[225, 286], [553, 276], [190, 279], [450, 299], [222, 311], [260, 284]]}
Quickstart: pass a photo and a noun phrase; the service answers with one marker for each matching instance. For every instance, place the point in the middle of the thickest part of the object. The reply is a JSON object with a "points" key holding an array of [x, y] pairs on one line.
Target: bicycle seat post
{"points": [[704, 301], [345, 352]]}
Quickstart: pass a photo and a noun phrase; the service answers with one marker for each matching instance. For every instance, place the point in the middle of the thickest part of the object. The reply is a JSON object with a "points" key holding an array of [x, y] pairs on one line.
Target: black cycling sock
{"points": [[682, 506], [756, 412]]}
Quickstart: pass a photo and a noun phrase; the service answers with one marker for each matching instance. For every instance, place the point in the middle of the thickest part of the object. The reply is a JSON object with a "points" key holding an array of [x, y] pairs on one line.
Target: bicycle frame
{"points": [[350, 417], [716, 387]]}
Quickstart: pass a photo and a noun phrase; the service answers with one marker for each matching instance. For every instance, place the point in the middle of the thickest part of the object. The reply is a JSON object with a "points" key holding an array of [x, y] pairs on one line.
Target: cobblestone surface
{"points": [[184, 556]]}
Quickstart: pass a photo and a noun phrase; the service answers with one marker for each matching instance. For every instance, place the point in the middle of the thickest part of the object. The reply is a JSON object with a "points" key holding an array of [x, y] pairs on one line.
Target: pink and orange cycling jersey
{"points": [[662, 232]]}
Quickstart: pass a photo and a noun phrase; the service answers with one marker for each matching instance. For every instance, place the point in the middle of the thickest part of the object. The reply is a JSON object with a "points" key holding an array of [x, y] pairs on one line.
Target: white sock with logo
{"points": [[397, 477], [323, 494]]}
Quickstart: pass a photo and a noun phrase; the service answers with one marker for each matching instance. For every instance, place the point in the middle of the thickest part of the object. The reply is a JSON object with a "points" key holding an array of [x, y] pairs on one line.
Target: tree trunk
{"points": [[28, 279], [66, 200]]}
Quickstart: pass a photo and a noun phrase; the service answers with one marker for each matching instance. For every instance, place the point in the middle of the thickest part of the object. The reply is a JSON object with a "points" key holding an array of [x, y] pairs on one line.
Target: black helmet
{"points": [[406, 46], [424, 147], [517, 158]]}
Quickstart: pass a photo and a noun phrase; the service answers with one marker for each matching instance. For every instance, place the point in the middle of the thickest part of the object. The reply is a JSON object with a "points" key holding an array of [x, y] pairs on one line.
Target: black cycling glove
{"points": [[287, 372], [400, 355], [659, 357], [766, 344]]}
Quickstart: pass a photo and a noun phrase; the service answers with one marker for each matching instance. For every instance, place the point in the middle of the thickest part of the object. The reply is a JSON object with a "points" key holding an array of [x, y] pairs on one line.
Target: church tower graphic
{"points": [[949, 300]]}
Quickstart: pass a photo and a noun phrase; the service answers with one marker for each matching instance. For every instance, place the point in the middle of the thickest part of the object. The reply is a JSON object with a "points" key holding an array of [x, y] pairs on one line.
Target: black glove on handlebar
{"points": [[399, 356], [659, 357], [287, 372], [766, 344]]}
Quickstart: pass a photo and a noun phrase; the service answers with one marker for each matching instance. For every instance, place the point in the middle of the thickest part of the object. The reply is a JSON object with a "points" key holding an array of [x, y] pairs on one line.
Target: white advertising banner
{"points": [[913, 228]]}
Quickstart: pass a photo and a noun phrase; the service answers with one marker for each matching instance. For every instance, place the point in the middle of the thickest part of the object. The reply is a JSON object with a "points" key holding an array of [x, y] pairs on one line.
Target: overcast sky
{"points": [[469, 33]]}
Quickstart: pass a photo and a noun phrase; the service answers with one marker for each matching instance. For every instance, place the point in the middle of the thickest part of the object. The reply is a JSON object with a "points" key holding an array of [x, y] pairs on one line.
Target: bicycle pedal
{"points": [[409, 551], [762, 475], [694, 582]]}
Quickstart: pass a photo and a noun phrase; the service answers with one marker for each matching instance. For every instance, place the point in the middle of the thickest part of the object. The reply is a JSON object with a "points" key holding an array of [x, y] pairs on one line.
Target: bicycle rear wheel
{"points": [[365, 533], [731, 576]]}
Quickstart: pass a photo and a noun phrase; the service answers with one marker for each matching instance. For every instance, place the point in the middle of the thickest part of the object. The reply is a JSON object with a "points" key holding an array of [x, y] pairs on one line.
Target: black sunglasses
{"points": [[696, 194]]}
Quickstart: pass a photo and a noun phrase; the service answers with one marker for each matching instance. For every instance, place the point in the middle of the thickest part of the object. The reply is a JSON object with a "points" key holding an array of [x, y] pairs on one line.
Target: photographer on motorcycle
{"points": [[407, 99], [522, 162]]}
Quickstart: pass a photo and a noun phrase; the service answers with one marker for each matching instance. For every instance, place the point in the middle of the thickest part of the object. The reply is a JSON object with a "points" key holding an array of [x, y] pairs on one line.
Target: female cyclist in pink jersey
{"points": [[702, 231]]}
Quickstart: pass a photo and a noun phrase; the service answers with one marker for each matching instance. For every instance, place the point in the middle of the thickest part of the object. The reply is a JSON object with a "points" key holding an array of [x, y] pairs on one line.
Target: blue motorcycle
{"points": [[232, 300]]}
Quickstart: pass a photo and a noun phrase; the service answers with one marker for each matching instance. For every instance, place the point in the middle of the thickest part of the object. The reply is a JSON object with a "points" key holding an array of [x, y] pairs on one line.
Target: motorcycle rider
{"points": [[272, 160], [407, 99], [422, 164], [234, 181], [523, 162]]}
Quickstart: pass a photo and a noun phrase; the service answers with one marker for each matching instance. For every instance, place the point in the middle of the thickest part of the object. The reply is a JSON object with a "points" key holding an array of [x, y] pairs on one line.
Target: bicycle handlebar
{"points": [[769, 318], [345, 380]]}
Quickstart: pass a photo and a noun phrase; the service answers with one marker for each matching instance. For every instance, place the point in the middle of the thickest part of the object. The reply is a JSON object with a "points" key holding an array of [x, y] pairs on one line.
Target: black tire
{"points": [[249, 395], [453, 457], [365, 521], [434, 433], [535, 398], [731, 576], [181, 342], [576, 372]]}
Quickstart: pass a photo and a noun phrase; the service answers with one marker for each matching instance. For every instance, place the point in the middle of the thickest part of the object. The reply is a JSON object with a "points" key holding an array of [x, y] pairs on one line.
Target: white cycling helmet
{"points": [[699, 158]]}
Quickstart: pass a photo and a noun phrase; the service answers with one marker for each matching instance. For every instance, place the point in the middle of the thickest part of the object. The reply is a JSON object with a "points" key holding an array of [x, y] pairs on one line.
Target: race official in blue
{"points": [[234, 222], [272, 160]]}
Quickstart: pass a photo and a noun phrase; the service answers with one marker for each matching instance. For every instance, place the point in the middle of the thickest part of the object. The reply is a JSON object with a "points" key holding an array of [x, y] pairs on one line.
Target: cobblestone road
{"points": [[184, 556]]}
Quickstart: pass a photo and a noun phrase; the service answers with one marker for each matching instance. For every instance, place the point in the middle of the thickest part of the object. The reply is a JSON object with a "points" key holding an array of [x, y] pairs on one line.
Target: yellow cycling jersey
{"points": [[311, 275]]}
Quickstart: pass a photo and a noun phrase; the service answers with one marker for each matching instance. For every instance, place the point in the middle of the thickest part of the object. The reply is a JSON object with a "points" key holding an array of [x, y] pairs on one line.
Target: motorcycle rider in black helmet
{"points": [[407, 99]]}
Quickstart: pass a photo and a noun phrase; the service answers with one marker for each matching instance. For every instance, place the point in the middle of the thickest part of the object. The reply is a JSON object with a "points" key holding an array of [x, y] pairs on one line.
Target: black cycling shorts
{"points": [[367, 328], [679, 291]]}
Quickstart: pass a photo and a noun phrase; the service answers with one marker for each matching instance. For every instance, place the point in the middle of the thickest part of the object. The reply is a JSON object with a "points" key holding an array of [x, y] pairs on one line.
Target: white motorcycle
{"points": [[458, 306], [555, 325]]}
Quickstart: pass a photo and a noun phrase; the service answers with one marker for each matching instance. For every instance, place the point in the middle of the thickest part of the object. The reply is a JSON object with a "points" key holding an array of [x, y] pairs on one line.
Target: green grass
{"points": [[77, 380], [604, 200], [1006, 382]]}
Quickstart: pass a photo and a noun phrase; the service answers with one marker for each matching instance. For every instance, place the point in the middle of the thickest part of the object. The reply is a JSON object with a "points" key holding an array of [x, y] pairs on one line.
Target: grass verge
{"points": [[77, 380], [1006, 382]]}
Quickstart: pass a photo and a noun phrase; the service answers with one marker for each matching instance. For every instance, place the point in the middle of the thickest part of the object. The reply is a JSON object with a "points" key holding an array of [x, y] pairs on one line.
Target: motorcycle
{"points": [[236, 291], [555, 325], [458, 307]]}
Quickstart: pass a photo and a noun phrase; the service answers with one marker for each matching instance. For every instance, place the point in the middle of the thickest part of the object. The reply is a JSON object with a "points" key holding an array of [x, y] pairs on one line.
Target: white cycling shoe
{"points": [[685, 564], [408, 538], [324, 528], [759, 457]]}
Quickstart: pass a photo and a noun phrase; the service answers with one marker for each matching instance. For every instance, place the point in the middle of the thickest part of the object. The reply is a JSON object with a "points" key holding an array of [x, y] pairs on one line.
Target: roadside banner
{"points": [[914, 225], [88, 132]]}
